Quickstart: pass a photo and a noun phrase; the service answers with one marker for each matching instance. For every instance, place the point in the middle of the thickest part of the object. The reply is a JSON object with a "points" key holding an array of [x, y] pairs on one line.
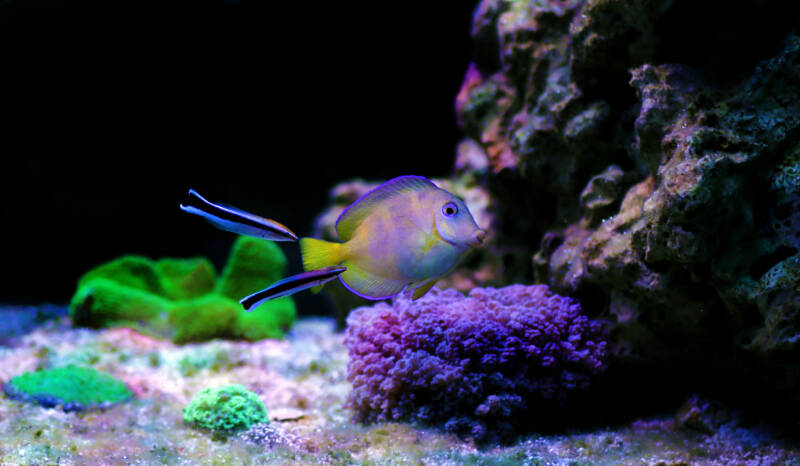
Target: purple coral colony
{"points": [[479, 364]]}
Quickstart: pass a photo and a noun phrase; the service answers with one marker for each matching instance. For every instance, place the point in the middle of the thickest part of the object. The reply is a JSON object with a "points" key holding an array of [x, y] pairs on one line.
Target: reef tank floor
{"points": [[302, 382]]}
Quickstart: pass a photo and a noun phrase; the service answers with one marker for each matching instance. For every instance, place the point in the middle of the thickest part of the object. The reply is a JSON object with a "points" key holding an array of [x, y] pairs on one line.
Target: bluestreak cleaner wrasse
{"points": [[235, 220], [404, 234], [292, 285]]}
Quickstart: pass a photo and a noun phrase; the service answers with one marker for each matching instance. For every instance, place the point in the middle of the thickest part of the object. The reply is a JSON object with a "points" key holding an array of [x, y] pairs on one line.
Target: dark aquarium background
{"points": [[636, 164], [113, 110]]}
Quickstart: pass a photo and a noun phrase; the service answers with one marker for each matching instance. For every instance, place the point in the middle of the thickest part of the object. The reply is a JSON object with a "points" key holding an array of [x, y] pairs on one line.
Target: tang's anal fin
{"points": [[369, 285]]}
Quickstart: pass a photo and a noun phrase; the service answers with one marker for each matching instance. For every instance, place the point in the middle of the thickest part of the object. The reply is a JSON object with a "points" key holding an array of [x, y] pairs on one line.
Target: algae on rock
{"points": [[653, 178]]}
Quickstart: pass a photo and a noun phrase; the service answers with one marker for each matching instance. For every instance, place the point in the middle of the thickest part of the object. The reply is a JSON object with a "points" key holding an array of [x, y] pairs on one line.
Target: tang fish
{"points": [[235, 220], [404, 234]]}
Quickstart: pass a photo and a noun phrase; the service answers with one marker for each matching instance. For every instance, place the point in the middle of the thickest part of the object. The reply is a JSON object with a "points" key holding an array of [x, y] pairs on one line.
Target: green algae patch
{"points": [[72, 388], [186, 278], [225, 409], [204, 318], [253, 265], [100, 302]]}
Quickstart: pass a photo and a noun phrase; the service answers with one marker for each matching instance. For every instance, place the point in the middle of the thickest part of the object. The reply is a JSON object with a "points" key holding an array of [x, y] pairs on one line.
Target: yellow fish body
{"points": [[404, 234]]}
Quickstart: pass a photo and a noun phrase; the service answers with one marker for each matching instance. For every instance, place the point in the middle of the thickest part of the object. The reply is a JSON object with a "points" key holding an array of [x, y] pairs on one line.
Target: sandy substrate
{"points": [[302, 381]]}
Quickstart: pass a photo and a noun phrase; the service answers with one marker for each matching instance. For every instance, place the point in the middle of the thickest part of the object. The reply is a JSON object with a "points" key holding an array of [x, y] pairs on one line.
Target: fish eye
{"points": [[449, 209]]}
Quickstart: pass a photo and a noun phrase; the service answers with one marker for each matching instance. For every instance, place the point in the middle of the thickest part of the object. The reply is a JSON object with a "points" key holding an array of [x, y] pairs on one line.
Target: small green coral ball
{"points": [[227, 408], [71, 387]]}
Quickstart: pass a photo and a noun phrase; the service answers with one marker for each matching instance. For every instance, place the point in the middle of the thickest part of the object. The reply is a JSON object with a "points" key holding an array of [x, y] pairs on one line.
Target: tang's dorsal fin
{"points": [[353, 215]]}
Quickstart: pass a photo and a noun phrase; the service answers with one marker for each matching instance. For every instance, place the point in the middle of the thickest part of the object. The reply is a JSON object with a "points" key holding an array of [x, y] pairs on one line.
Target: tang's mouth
{"points": [[478, 238]]}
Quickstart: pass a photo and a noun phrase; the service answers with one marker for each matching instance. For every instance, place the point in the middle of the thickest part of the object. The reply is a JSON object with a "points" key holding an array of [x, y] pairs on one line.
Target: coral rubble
{"points": [[481, 365], [306, 373]]}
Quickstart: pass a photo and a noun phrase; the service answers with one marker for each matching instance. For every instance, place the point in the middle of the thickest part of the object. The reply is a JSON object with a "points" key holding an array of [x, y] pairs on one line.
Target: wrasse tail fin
{"points": [[235, 220], [292, 285]]}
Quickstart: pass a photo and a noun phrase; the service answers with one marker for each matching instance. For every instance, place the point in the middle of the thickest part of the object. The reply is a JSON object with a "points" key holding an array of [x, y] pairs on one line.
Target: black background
{"points": [[113, 109]]}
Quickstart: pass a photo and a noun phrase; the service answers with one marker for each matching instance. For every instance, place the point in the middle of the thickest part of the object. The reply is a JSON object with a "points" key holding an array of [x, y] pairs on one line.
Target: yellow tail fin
{"points": [[318, 254]]}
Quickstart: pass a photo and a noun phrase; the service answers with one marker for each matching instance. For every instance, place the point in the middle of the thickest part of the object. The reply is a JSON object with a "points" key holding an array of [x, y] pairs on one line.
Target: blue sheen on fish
{"points": [[236, 220]]}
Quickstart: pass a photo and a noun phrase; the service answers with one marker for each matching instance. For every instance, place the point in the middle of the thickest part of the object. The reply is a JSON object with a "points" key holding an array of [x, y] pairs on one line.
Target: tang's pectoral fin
{"points": [[424, 288]]}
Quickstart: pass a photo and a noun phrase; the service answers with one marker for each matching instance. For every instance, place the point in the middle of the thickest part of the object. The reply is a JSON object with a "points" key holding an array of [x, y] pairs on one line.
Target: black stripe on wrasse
{"points": [[234, 215], [291, 285]]}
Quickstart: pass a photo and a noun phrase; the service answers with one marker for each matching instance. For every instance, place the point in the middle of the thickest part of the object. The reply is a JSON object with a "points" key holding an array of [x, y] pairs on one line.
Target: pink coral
{"points": [[475, 364]]}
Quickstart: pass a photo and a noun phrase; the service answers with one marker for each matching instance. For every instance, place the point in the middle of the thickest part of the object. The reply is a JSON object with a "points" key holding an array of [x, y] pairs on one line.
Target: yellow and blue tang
{"points": [[404, 234]]}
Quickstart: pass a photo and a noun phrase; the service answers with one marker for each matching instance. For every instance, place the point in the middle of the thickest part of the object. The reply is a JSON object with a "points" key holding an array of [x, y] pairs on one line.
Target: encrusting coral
{"points": [[480, 365], [72, 388], [225, 409]]}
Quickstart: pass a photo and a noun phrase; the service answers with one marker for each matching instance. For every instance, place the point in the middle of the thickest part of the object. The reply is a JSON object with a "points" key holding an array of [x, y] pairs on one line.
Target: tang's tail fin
{"points": [[231, 219], [291, 285], [318, 254]]}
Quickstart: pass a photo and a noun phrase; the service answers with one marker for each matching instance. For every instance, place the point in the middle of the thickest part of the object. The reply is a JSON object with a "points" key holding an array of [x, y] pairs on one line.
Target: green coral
{"points": [[204, 318], [182, 298], [253, 265], [229, 408], [71, 387], [135, 272], [186, 278], [270, 320], [100, 302]]}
